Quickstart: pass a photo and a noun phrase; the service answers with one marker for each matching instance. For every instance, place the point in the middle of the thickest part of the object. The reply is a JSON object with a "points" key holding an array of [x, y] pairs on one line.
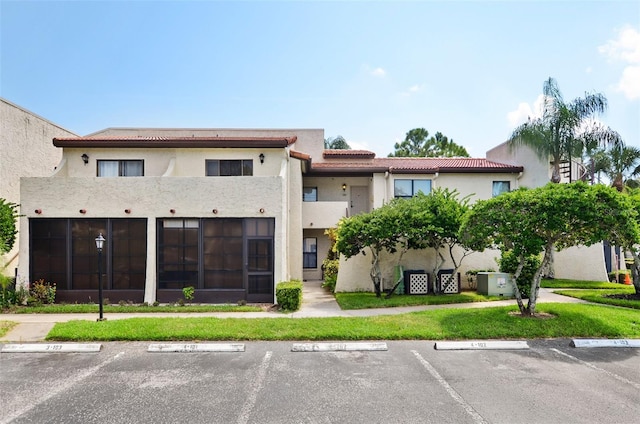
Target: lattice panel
{"points": [[418, 283], [449, 284]]}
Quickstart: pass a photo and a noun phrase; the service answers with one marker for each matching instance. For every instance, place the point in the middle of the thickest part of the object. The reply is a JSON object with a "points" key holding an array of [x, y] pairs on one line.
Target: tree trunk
{"points": [[375, 273], [521, 262], [537, 277]]}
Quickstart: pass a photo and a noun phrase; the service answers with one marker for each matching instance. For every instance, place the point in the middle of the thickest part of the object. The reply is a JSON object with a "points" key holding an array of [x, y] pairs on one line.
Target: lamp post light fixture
{"points": [[99, 245]]}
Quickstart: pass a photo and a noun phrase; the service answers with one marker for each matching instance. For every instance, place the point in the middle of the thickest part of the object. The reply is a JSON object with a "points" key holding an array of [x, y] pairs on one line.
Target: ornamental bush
{"points": [[289, 295]]}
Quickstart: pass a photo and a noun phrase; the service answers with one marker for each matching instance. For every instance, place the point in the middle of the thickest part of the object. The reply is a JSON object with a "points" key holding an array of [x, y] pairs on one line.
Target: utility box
{"points": [[416, 282], [495, 284]]}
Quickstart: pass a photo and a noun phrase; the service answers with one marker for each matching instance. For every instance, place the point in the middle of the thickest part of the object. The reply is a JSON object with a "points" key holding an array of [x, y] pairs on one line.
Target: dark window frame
{"points": [[228, 167], [311, 197], [310, 257], [413, 187], [75, 256]]}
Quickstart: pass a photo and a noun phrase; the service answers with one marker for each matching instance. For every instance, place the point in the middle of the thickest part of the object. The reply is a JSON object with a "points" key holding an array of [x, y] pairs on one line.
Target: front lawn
{"points": [[578, 284], [609, 297], [567, 320], [92, 308], [367, 300]]}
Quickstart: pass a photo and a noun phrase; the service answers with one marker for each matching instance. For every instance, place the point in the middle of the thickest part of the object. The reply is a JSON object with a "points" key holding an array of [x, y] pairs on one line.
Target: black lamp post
{"points": [[99, 245]]}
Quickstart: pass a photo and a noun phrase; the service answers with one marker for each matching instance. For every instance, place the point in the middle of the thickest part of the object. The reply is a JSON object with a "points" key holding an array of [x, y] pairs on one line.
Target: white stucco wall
{"points": [[26, 150], [536, 172], [152, 198], [581, 263]]}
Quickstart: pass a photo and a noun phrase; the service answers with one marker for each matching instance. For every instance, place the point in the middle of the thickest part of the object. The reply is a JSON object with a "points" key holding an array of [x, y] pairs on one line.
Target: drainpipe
{"points": [[518, 180], [433, 180], [386, 186]]}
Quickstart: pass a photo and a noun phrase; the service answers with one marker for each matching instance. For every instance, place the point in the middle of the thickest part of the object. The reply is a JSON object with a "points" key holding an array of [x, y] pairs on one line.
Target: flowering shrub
{"points": [[43, 292]]}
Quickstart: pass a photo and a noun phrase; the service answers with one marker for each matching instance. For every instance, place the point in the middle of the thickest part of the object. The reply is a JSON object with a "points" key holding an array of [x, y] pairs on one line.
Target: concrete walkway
{"points": [[317, 303]]}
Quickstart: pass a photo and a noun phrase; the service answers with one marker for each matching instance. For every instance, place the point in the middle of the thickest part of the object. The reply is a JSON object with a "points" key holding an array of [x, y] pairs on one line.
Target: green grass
{"points": [[92, 308], [367, 300], [578, 284], [569, 320], [5, 326], [602, 296]]}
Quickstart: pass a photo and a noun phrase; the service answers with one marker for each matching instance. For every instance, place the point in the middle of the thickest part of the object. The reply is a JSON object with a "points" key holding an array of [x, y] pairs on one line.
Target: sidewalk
{"points": [[316, 303]]}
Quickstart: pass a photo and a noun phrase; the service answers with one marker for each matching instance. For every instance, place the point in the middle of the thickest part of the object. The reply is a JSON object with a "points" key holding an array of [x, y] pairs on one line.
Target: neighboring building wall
{"points": [[581, 263], [25, 151], [536, 172]]}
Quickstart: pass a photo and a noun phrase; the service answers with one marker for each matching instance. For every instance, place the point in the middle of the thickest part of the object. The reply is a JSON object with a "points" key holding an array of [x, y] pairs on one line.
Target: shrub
{"points": [[188, 293], [42, 292], [289, 295], [508, 262], [330, 269], [7, 291]]}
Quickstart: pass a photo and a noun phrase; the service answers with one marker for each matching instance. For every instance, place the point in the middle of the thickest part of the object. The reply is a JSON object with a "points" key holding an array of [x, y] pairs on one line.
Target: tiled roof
{"points": [[345, 153], [116, 141], [415, 165]]}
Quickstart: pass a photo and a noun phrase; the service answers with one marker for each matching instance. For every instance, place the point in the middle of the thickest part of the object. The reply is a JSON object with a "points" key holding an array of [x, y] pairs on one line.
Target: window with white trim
{"points": [[500, 187], [120, 168], [310, 194]]}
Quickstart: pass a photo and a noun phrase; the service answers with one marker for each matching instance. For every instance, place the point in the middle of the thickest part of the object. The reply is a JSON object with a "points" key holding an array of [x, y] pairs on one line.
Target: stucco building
{"points": [[26, 150]]}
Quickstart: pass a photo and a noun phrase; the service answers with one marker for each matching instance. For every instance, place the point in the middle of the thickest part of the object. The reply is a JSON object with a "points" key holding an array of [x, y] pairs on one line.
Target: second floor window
{"points": [[120, 168], [228, 168], [310, 194], [409, 188]]}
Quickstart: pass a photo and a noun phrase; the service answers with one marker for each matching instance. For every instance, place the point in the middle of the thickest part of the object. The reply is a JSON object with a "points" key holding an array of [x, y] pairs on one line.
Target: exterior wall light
{"points": [[127, 211], [85, 158], [99, 245], [38, 211], [83, 211], [261, 210], [344, 187], [172, 210], [215, 211], [261, 157]]}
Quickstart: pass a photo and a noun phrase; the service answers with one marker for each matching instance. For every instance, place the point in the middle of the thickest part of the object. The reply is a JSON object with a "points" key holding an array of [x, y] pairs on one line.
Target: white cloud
{"points": [[378, 72], [413, 90], [524, 111], [626, 48], [629, 84]]}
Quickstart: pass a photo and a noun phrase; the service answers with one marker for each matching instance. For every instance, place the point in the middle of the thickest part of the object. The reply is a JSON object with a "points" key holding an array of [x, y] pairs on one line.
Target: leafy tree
{"points": [[441, 146], [434, 223], [417, 143], [556, 216], [423, 222], [620, 164], [338, 143], [633, 246], [563, 131], [374, 232], [8, 231]]}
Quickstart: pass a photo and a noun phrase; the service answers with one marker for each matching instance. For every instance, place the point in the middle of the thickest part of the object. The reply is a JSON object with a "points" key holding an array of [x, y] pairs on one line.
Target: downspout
{"points": [[386, 186], [518, 180], [433, 180]]}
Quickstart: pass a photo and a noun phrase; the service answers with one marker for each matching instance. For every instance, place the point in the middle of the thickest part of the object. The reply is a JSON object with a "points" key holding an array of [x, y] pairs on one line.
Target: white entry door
{"points": [[359, 199]]}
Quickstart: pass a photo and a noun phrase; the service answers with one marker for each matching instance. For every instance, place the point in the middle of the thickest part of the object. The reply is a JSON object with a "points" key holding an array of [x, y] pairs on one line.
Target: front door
{"points": [[359, 199]]}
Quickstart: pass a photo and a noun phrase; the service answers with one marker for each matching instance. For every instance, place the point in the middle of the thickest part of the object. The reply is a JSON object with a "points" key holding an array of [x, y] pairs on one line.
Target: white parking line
{"points": [[477, 418], [590, 365], [32, 402], [256, 385]]}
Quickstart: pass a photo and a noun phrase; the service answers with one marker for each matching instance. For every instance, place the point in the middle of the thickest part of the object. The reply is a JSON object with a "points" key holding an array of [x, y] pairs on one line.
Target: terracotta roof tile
{"points": [[346, 153], [118, 141], [416, 165]]}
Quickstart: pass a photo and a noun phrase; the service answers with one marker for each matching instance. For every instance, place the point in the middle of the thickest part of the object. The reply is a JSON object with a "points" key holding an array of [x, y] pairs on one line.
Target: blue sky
{"points": [[369, 71]]}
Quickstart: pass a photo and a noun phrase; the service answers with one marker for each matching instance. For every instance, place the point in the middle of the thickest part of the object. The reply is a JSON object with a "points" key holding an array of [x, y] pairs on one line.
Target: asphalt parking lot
{"points": [[411, 382]]}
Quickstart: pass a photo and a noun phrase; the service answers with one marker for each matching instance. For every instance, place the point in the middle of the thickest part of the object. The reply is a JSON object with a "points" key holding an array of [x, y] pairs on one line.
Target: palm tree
{"points": [[620, 164], [563, 131]]}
